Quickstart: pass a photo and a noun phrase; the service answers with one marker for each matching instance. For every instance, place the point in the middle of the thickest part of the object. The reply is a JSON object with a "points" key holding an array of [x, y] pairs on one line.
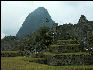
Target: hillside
{"points": [[9, 43]]}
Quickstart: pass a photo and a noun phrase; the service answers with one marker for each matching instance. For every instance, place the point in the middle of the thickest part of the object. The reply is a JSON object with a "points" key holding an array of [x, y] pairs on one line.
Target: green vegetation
{"points": [[37, 42], [9, 43], [77, 53], [68, 45], [17, 63]]}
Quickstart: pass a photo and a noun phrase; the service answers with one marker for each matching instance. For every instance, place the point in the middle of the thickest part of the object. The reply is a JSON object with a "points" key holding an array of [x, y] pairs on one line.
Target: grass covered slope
{"points": [[17, 63]]}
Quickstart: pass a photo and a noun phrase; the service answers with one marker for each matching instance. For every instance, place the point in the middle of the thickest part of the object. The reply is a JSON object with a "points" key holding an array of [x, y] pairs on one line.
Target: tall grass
{"points": [[17, 63]]}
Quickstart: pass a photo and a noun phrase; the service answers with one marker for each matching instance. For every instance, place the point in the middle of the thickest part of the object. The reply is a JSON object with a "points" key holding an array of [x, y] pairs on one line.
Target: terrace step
{"points": [[57, 59], [67, 48]]}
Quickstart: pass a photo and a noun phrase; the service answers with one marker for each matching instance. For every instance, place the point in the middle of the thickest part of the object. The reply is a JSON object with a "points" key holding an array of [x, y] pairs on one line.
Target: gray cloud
{"points": [[13, 13]]}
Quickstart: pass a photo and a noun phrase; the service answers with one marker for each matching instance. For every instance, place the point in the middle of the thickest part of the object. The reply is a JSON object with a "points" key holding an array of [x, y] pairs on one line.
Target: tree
{"points": [[36, 42]]}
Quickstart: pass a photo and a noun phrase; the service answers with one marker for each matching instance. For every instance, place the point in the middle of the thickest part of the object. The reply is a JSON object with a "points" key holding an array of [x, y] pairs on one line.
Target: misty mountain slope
{"points": [[34, 20]]}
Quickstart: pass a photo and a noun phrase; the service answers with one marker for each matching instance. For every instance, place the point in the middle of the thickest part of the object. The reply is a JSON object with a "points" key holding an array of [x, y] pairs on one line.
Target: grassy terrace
{"points": [[9, 51], [31, 58], [17, 63], [66, 40], [77, 53], [69, 45]]}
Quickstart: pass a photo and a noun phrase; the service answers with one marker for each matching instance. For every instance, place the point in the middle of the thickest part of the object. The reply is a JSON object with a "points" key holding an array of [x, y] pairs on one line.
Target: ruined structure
{"points": [[69, 41], [67, 47]]}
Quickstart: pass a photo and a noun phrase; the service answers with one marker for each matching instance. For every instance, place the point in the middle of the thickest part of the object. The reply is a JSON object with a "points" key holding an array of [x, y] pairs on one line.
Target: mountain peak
{"points": [[39, 17], [41, 8]]}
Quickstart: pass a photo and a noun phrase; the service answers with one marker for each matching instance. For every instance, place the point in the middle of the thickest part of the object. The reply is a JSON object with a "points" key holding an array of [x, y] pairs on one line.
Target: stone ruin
{"points": [[67, 52]]}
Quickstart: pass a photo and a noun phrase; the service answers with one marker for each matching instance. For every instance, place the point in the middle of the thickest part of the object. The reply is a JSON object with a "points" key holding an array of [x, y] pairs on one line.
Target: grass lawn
{"points": [[17, 63]]}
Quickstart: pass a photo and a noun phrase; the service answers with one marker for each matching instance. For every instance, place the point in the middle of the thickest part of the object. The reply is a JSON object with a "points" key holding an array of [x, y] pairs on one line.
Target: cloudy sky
{"points": [[13, 13]]}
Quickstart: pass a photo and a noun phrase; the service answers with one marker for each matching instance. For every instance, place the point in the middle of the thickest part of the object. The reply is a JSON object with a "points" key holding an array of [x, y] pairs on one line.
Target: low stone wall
{"points": [[9, 54], [59, 60]]}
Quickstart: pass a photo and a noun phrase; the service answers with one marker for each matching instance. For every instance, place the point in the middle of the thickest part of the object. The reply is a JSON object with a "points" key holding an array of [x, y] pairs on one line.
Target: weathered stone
{"points": [[68, 59]]}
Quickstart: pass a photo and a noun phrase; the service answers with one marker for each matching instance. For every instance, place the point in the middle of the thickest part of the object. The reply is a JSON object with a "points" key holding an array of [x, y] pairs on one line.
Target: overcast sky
{"points": [[13, 13]]}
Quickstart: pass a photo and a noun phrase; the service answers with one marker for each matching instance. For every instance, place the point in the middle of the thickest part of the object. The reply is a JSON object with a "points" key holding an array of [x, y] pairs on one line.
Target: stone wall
{"points": [[66, 49], [10, 54], [58, 60]]}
